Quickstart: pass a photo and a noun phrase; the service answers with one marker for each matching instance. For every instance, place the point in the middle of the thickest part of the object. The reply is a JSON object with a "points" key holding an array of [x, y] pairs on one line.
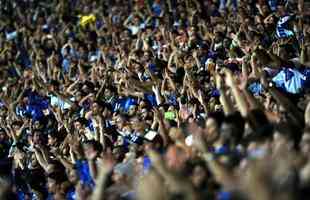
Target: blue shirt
{"points": [[290, 80], [84, 173]]}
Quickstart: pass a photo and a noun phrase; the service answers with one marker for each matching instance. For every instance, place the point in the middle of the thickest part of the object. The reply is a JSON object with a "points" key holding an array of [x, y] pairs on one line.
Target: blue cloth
{"points": [[71, 194], [223, 4], [84, 173], [90, 125], [133, 139], [273, 4], [152, 67], [224, 195], [127, 102], [151, 99], [290, 80], [215, 93], [34, 108], [212, 54], [306, 73], [65, 65], [156, 9], [11, 36], [256, 88], [12, 72], [282, 29], [146, 163], [222, 150], [172, 99]]}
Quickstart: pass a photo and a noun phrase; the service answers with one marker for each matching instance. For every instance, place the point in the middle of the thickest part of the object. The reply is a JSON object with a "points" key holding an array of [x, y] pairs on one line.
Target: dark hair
{"points": [[82, 120], [238, 122], [290, 131], [59, 172], [95, 144], [52, 133], [257, 119], [217, 116]]}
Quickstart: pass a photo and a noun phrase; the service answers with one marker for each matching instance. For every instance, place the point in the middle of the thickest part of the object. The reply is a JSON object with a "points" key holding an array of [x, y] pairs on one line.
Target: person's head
{"points": [[51, 185], [6, 191], [37, 124], [52, 139], [96, 107], [176, 157], [199, 174], [79, 124], [78, 96], [107, 111], [212, 125], [232, 128], [92, 149], [16, 125], [265, 9], [123, 173], [137, 124], [56, 175], [34, 164], [120, 121], [2, 135], [73, 176], [119, 153], [146, 56], [283, 136], [38, 137], [144, 113], [132, 110], [136, 21], [281, 10]]}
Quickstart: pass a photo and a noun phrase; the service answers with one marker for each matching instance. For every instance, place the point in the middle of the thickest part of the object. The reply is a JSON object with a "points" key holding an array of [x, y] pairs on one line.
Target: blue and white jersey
{"points": [[282, 30]]}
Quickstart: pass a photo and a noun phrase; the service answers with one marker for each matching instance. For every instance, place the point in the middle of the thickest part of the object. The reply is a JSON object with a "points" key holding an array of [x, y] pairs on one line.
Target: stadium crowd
{"points": [[154, 99]]}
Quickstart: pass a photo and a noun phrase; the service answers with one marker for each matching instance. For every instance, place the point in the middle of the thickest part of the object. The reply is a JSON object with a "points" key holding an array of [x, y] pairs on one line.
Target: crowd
{"points": [[154, 99]]}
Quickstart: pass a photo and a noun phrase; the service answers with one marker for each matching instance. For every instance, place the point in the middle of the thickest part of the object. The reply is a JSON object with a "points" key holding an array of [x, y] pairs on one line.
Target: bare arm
{"points": [[224, 99], [239, 97], [41, 159], [307, 115]]}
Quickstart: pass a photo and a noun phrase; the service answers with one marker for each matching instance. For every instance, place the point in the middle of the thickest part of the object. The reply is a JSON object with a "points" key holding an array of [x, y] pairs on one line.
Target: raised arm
{"points": [[224, 99], [238, 95]]}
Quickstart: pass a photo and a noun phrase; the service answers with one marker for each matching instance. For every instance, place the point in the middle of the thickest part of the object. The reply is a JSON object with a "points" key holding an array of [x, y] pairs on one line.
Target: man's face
{"points": [[95, 108], [146, 56], [36, 137], [144, 113], [77, 125], [33, 162], [212, 128], [51, 141], [16, 127], [36, 124], [132, 110]]}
